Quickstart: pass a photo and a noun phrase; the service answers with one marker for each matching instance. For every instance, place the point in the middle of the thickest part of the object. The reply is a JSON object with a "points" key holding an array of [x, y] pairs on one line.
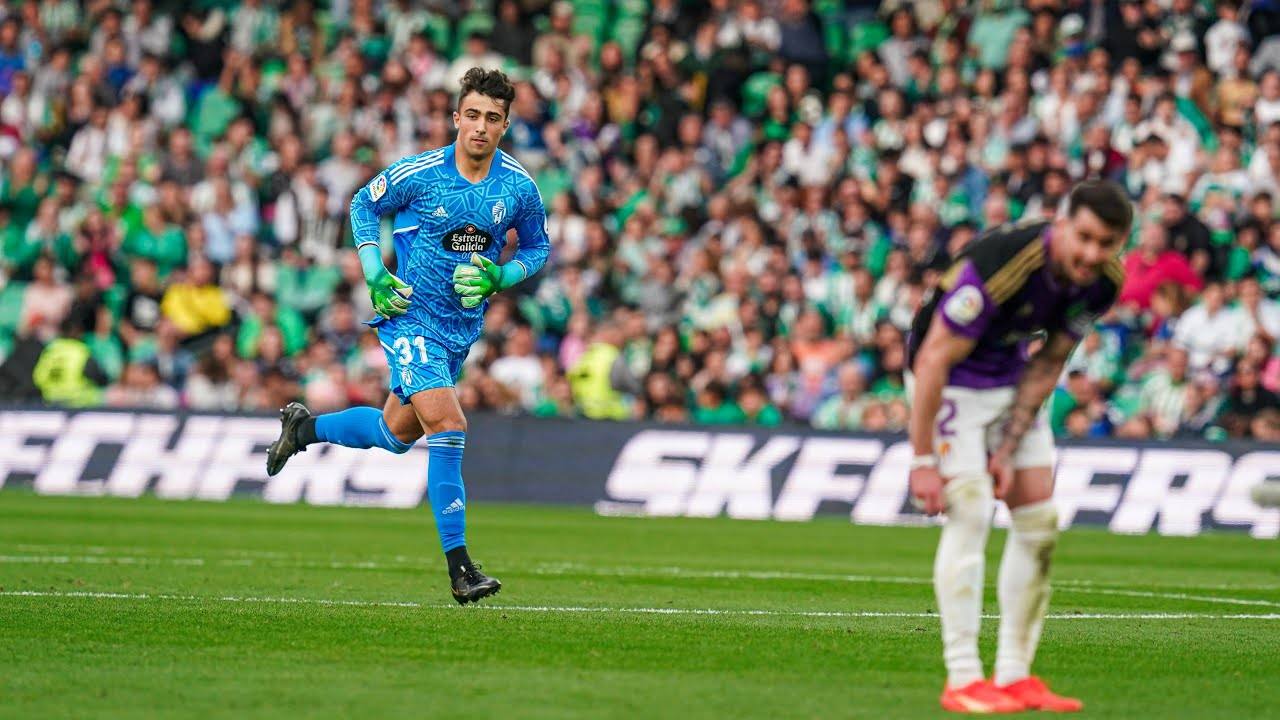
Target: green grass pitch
{"points": [[144, 608]]}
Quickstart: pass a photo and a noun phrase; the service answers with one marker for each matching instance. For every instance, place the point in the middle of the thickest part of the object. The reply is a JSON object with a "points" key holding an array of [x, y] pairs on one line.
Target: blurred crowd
{"points": [[747, 199]]}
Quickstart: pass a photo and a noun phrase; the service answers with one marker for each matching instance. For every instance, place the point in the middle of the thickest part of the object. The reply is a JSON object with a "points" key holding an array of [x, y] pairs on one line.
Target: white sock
{"points": [[958, 574], [1024, 588]]}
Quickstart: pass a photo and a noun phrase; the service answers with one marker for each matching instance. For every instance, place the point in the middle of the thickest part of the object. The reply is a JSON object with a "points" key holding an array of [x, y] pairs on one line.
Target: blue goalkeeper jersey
{"points": [[441, 218]]}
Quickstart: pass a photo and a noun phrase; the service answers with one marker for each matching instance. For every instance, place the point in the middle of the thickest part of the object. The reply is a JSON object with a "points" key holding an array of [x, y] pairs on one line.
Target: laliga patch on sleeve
{"points": [[378, 187], [965, 305]]}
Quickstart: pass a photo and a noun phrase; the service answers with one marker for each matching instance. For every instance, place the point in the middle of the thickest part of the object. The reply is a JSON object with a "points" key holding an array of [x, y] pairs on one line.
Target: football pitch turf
{"points": [[146, 608]]}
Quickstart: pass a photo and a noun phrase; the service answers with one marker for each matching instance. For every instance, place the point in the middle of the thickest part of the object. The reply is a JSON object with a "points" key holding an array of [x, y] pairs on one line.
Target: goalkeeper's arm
{"points": [[390, 294]]}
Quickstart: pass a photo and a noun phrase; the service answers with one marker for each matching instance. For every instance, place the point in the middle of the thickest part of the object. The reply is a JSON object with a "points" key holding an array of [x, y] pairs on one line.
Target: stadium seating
{"points": [[739, 235]]}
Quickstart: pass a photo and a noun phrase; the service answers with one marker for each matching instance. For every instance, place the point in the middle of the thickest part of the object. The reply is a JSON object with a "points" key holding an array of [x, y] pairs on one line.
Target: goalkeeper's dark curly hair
{"points": [[490, 83]]}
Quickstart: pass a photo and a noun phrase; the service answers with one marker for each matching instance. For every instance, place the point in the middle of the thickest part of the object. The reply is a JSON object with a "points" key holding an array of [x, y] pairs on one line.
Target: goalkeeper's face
{"points": [[481, 122]]}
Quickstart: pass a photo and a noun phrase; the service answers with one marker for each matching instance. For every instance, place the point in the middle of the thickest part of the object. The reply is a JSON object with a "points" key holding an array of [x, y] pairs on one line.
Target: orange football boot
{"points": [[980, 697], [1035, 695]]}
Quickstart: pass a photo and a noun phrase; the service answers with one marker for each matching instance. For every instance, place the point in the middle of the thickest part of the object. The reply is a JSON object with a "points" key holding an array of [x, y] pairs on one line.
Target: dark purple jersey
{"points": [[1001, 292]]}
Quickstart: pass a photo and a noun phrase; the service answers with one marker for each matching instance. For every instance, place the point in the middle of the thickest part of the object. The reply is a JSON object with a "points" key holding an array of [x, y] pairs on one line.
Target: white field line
{"points": [[1066, 586], [597, 610], [198, 562], [1061, 586], [139, 555], [149, 551]]}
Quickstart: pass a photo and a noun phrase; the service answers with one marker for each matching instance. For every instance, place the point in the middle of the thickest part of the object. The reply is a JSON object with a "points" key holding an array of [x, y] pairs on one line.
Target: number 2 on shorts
{"points": [[947, 416]]}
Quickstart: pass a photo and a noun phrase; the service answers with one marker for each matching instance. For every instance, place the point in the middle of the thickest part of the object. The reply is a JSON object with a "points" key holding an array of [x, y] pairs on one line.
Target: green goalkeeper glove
{"points": [[390, 294], [482, 278]]}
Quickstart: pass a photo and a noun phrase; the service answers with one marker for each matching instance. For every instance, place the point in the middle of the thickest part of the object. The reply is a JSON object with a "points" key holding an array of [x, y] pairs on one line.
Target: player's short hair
{"points": [[1104, 199], [490, 83]]}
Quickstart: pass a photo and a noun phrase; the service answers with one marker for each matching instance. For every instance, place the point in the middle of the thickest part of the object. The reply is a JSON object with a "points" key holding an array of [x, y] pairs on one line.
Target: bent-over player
{"points": [[978, 431]]}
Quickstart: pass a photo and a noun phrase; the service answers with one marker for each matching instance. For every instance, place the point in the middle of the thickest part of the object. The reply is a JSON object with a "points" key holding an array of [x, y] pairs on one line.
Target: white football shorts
{"points": [[968, 427]]}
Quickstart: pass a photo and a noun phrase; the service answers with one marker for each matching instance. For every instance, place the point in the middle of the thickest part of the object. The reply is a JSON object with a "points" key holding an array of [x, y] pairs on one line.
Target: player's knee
{"points": [[406, 437], [1036, 523], [970, 500], [451, 423], [957, 568], [434, 420]]}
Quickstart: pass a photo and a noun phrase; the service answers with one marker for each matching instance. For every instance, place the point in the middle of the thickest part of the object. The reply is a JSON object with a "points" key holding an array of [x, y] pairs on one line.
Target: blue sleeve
{"points": [[406, 222], [388, 191], [531, 230]]}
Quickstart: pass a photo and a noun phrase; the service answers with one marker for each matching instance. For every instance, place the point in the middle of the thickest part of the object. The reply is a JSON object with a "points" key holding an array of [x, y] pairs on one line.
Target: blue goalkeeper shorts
{"points": [[418, 363]]}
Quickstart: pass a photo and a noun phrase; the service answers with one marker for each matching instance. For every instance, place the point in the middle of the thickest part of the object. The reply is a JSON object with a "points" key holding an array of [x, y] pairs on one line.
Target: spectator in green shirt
{"points": [[713, 407], [217, 107], [992, 32], [23, 186], [104, 346], [23, 246], [158, 240], [118, 204], [558, 400], [264, 313], [1099, 359], [303, 285], [756, 408], [1078, 392]]}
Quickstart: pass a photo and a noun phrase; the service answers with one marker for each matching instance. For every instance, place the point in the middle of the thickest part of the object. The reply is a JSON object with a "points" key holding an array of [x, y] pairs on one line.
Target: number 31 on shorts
{"points": [[403, 347]]}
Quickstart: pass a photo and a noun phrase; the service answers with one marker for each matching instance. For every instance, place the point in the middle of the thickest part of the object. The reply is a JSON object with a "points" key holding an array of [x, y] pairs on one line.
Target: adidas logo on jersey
{"points": [[455, 506], [440, 212]]}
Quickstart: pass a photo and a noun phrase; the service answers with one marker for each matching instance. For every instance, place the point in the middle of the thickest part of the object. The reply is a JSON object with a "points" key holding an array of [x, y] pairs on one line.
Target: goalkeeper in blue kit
{"points": [[453, 207]]}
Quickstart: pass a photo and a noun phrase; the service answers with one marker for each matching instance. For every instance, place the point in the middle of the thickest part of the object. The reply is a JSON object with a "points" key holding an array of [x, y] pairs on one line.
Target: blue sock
{"points": [[444, 487], [358, 427]]}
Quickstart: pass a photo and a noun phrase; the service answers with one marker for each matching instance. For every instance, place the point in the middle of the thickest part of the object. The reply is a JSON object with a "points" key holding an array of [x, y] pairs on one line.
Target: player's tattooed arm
{"points": [[1035, 386]]}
